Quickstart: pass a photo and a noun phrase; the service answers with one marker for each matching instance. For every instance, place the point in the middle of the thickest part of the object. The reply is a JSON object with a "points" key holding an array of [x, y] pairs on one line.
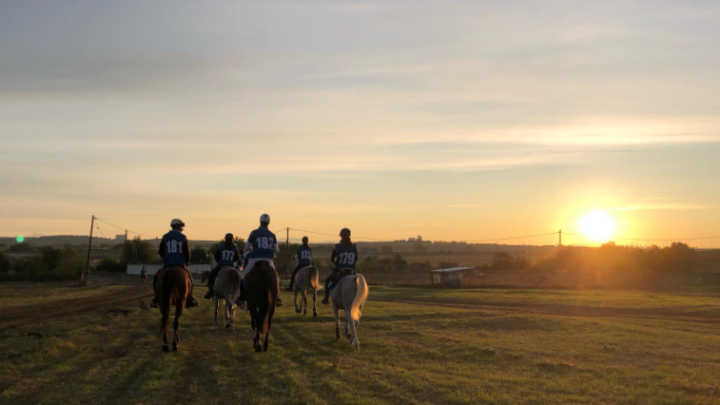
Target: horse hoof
{"points": [[175, 348], [227, 326], [315, 314], [166, 349], [258, 349]]}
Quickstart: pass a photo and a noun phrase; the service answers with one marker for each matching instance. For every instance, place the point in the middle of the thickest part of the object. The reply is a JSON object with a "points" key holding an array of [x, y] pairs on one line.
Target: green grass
{"points": [[410, 354]]}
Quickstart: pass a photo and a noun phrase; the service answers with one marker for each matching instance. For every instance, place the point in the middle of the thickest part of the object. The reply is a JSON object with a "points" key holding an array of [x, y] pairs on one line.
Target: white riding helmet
{"points": [[264, 219], [176, 222]]}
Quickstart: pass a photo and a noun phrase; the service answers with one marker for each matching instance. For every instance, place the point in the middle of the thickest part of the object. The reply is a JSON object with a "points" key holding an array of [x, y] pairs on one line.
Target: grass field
{"points": [[418, 346]]}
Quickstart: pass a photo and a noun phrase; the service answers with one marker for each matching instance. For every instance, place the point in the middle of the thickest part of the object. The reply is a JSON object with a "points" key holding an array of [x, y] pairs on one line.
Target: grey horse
{"points": [[306, 279], [349, 294], [227, 287]]}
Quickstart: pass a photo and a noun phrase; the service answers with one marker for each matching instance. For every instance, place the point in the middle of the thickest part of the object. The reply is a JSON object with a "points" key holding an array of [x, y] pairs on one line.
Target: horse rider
{"points": [[143, 272], [344, 257], [227, 254], [262, 246], [175, 251], [303, 259]]}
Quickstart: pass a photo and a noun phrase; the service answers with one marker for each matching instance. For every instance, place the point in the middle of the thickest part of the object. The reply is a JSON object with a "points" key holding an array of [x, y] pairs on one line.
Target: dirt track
{"points": [[572, 310], [12, 317]]}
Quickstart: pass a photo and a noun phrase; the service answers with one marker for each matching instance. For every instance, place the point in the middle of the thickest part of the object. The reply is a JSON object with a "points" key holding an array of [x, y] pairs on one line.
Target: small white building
{"points": [[449, 278]]}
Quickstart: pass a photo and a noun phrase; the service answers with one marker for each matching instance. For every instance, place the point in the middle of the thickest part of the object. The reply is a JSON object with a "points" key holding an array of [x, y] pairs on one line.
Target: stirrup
{"points": [[191, 303], [209, 295]]}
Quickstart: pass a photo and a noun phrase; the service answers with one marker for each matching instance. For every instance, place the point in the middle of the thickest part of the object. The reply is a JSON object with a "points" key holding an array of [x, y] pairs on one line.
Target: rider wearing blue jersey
{"points": [[262, 245], [227, 254], [344, 257], [175, 251], [303, 258]]}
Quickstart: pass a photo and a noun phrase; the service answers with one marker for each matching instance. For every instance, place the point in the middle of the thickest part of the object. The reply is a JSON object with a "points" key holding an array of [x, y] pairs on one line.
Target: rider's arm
{"points": [[276, 248], [333, 256], [248, 244]]}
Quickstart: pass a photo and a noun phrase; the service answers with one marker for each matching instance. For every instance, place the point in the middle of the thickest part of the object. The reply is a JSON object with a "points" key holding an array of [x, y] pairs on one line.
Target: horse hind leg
{"points": [[314, 294], [303, 302], [216, 301], [352, 336], [176, 326], [228, 314], [295, 294], [336, 312]]}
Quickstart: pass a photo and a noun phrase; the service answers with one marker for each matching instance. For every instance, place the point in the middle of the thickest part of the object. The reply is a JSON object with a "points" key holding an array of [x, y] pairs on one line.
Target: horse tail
{"points": [[360, 296], [314, 278], [234, 291]]}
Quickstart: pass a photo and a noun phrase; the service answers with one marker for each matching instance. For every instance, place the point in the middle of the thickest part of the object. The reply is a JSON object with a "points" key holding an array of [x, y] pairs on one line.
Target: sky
{"points": [[454, 120]]}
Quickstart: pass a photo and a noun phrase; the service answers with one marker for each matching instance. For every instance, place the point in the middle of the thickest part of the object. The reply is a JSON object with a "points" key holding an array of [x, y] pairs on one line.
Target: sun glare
{"points": [[599, 226]]}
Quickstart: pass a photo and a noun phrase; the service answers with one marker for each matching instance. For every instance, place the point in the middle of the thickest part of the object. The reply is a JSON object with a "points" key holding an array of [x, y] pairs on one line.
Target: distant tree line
{"points": [[49, 264]]}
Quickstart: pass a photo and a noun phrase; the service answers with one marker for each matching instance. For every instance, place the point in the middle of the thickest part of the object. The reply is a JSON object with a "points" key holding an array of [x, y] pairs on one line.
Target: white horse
{"points": [[306, 279], [349, 294], [227, 287]]}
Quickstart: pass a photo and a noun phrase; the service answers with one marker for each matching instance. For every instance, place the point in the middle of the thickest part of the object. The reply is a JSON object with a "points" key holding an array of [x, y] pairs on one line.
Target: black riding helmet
{"points": [[229, 237], [305, 240], [345, 232]]}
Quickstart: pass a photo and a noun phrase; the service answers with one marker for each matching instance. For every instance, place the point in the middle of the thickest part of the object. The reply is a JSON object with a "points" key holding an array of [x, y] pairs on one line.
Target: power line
{"points": [[125, 229], [334, 235], [513, 238]]}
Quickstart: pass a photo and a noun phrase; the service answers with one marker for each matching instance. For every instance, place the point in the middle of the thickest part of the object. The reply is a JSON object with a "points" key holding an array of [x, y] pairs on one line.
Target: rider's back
{"points": [[173, 248], [264, 243], [345, 256]]}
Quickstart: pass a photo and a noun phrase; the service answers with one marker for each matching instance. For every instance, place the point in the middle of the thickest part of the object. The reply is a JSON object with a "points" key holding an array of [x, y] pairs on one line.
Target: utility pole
{"points": [[126, 235], [287, 251], [86, 277], [560, 238]]}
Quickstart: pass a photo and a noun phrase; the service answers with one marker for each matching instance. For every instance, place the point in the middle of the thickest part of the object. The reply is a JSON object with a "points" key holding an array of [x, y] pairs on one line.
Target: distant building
{"points": [[419, 238], [119, 238], [411, 239]]}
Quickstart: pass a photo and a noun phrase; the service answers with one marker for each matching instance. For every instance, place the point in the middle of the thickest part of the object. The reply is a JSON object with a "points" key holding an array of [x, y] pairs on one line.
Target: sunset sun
{"points": [[599, 226]]}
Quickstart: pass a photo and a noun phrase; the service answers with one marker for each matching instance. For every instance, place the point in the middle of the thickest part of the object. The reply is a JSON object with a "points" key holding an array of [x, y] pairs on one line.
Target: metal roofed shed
{"points": [[449, 278]]}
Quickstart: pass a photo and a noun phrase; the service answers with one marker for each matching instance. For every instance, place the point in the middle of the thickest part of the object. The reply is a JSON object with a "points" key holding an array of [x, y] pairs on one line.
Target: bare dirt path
{"points": [[17, 316], [572, 310]]}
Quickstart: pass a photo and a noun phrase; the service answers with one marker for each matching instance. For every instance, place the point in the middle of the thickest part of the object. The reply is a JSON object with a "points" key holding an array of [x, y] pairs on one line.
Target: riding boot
{"points": [[326, 300], [290, 287], [191, 302], [153, 303]]}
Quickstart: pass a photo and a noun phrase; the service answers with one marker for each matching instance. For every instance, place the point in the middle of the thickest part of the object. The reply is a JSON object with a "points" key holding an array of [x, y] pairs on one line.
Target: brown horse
{"points": [[307, 278], [262, 286], [173, 287]]}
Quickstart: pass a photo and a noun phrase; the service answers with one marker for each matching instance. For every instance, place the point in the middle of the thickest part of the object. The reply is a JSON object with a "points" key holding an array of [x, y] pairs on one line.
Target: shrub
{"points": [[110, 265]]}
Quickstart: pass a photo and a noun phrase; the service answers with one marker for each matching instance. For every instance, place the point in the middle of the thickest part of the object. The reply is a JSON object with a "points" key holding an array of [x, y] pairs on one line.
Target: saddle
{"points": [[343, 273]]}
